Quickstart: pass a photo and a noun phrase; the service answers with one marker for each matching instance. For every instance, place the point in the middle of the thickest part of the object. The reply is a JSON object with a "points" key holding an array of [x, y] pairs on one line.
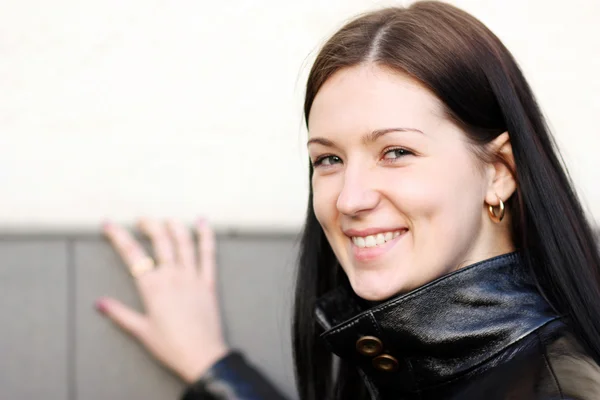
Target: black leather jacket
{"points": [[482, 332]]}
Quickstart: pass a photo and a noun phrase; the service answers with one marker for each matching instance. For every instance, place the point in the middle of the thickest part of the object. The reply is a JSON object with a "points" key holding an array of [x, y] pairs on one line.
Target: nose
{"points": [[358, 194]]}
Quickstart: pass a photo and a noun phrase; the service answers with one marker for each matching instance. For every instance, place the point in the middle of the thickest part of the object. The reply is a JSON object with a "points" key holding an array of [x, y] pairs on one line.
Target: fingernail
{"points": [[100, 306], [105, 224]]}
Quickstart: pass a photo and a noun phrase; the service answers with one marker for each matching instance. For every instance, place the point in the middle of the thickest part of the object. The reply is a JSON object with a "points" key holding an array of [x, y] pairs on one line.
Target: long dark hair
{"points": [[466, 66]]}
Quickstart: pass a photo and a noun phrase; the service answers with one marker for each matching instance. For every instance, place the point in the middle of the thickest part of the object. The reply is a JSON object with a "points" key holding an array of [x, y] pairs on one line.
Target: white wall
{"points": [[120, 108]]}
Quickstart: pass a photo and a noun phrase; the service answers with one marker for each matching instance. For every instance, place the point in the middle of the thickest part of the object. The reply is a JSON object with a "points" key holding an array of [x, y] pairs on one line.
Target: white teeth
{"points": [[374, 240], [370, 241]]}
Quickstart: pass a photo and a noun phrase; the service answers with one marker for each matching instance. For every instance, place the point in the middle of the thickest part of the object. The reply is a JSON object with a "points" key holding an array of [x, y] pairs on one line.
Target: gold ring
{"points": [[139, 268]]}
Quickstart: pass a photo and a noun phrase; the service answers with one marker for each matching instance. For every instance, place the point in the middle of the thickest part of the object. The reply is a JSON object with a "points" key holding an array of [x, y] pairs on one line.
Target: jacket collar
{"points": [[440, 330]]}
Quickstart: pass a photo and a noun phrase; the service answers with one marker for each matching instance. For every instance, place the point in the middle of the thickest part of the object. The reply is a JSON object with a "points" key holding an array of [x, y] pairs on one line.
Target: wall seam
{"points": [[71, 323]]}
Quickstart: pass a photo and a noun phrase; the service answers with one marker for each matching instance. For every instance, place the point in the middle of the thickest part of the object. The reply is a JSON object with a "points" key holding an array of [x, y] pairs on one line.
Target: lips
{"points": [[373, 246], [372, 231]]}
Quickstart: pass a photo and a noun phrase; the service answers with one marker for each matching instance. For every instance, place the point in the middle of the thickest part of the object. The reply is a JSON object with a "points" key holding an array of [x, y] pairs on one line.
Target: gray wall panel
{"points": [[54, 345], [256, 286], [34, 319], [255, 280], [109, 364]]}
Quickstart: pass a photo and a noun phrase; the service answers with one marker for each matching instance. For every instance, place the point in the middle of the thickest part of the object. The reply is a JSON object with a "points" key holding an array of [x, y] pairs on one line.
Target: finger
{"points": [[184, 244], [128, 248], [127, 319], [161, 242], [206, 251]]}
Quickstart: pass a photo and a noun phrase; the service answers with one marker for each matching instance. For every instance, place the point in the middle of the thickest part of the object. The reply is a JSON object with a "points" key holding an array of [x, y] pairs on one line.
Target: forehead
{"points": [[367, 97]]}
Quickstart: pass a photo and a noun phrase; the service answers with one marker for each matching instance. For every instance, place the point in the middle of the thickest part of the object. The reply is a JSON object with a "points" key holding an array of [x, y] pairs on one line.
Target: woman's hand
{"points": [[181, 326]]}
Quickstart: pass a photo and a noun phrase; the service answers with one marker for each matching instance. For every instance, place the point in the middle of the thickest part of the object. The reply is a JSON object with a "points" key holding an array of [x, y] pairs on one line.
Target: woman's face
{"points": [[397, 188]]}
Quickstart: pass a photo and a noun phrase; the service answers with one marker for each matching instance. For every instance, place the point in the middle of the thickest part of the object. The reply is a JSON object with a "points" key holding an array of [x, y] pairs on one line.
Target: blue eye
{"points": [[395, 153], [327, 161]]}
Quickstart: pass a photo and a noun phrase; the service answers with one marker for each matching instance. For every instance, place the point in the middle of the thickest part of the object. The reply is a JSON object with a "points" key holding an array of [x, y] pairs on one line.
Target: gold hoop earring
{"points": [[496, 218]]}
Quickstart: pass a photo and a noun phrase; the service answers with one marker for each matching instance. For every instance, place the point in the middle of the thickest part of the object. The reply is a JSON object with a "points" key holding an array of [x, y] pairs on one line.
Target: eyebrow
{"points": [[367, 139]]}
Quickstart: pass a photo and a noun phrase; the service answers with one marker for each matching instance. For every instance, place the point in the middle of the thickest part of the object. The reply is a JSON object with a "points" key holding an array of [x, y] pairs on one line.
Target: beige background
{"points": [[126, 107]]}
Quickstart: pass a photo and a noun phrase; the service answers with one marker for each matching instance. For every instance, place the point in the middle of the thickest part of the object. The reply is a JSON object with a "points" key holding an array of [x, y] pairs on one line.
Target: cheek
{"points": [[439, 200]]}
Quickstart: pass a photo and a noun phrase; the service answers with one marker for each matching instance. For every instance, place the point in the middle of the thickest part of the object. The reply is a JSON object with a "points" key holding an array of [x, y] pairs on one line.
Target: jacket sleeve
{"points": [[232, 378]]}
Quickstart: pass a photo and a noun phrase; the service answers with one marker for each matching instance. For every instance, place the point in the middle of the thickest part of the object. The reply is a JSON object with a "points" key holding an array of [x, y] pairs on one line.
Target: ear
{"points": [[501, 180]]}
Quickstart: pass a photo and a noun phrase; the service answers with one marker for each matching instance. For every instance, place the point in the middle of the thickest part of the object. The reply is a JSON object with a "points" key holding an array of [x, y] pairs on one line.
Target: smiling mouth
{"points": [[370, 248], [375, 240]]}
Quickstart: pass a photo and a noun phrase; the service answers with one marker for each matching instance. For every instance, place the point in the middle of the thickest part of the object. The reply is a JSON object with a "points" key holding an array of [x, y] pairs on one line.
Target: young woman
{"points": [[444, 255]]}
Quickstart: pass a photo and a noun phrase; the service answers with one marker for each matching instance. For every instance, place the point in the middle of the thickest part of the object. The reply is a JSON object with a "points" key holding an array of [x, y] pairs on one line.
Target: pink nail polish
{"points": [[100, 306]]}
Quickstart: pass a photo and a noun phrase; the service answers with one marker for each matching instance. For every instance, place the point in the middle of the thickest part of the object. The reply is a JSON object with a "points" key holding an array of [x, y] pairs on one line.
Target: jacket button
{"points": [[369, 346], [385, 363]]}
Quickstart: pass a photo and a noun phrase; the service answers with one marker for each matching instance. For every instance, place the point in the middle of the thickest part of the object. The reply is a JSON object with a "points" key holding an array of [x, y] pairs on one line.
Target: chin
{"points": [[379, 288]]}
